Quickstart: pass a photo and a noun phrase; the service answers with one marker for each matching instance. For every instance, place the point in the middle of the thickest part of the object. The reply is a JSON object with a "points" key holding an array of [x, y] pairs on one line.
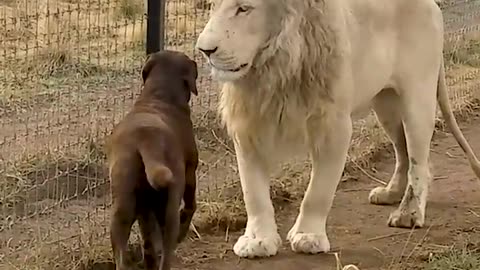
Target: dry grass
{"points": [[34, 185], [464, 52], [130, 9]]}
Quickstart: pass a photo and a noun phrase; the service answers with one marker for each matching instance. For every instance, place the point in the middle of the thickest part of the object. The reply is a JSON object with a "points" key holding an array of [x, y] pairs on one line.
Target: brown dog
{"points": [[153, 158]]}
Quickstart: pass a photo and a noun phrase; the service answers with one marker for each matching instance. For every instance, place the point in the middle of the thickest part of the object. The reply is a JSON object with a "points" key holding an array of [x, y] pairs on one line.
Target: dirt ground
{"points": [[358, 230]]}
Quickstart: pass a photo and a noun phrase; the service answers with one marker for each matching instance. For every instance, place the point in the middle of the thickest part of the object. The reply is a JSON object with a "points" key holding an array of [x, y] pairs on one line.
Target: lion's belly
{"points": [[373, 48], [372, 70]]}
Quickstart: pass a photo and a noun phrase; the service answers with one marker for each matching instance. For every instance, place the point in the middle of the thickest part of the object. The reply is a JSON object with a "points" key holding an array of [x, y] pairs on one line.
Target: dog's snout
{"points": [[208, 52]]}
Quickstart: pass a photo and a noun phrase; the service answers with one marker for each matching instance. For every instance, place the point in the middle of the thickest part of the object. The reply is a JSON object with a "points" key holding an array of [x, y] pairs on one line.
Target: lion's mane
{"points": [[289, 83]]}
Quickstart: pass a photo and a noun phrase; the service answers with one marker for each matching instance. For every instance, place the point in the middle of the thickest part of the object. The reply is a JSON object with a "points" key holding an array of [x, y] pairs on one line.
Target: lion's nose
{"points": [[208, 52]]}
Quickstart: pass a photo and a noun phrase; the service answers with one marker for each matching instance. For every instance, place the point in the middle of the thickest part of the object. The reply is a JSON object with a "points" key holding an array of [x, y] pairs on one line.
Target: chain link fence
{"points": [[70, 70]]}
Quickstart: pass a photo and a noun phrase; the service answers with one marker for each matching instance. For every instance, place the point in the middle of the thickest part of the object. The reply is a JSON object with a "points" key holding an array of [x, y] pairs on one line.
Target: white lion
{"points": [[293, 74]]}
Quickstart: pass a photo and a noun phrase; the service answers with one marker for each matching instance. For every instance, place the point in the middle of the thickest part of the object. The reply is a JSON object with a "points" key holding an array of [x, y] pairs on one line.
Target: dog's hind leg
{"points": [[123, 216], [123, 213], [150, 231], [190, 201], [170, 229]]}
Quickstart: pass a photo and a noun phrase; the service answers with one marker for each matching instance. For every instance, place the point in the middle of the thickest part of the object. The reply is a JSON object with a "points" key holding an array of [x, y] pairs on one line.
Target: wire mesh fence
{"points": [[70, 69]]}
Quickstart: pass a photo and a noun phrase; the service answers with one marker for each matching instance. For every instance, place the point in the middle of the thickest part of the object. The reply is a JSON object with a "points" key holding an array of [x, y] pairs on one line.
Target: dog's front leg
{"points": [[328, 154], [261, 238]]}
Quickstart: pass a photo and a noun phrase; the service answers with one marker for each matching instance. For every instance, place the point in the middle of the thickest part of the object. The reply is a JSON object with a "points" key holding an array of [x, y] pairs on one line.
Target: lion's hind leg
{"points": [[419, 106], [388, 111]]}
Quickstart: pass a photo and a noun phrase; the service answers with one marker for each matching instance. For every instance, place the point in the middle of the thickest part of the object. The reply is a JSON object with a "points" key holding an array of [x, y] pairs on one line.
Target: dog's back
{"points": [[145, 145]]}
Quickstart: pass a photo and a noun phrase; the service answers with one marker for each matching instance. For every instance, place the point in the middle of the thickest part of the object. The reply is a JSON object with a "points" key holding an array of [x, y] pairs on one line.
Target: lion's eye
{"points": [[242, 9]]}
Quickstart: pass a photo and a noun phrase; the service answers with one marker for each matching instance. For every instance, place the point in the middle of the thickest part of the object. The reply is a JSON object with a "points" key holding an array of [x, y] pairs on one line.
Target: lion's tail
{"points": [[443, 101]]}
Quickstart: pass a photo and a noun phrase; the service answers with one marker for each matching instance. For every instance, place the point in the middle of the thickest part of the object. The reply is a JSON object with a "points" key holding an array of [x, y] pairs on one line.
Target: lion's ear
{"points": [[147, 67]]}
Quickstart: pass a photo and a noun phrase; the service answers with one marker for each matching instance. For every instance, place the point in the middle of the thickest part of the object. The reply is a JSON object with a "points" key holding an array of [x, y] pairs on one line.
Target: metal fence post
{"points": [[155, 26]]}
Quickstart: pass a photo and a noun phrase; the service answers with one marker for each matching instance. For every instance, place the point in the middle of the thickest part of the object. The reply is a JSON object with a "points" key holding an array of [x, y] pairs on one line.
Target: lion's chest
{"points": [[278, 128], [277, 139]]}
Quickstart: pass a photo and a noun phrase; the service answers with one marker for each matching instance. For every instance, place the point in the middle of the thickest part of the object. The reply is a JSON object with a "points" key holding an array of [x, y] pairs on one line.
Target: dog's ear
{"points": [[191, 77], [147, 67]]}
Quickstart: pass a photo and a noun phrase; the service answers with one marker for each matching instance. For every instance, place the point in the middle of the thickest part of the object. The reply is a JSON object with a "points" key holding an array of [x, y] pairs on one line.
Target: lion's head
{"points": [[239, 34], [275, 59]]}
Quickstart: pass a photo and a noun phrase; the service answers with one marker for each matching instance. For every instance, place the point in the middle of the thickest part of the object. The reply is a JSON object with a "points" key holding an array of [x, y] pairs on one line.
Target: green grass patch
{"points": [[465, 258]]}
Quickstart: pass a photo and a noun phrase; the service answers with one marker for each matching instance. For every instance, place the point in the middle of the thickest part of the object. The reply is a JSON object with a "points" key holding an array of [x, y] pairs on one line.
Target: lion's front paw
{"points": [[407, 218], [310, 243], [384, 196], [251, 247]]}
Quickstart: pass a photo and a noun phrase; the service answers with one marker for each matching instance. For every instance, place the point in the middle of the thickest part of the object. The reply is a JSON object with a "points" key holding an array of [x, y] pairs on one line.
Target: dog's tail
{"points": [[158, 175]]}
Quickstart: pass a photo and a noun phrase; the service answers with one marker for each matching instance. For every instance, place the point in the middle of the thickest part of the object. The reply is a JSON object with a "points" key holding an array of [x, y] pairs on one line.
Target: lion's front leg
{"points": [[328, 155], [261, 238]]}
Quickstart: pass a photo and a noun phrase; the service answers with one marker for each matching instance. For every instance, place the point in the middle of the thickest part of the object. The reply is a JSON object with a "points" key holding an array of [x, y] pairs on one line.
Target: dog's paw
{"points": [[309, 243], [252, 247], [182, 233], [185, 223]]}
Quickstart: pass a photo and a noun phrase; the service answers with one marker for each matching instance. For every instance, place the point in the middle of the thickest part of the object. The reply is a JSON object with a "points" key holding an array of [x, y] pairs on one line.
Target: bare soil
{"points": [[358, 230]]}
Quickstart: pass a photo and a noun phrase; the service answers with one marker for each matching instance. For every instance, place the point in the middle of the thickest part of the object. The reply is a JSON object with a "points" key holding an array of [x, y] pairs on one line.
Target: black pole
{"points": [[155, 25]]}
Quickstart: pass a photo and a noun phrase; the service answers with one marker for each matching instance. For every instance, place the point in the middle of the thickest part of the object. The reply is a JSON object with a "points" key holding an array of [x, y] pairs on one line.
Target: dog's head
{"points": [[172, 64]]}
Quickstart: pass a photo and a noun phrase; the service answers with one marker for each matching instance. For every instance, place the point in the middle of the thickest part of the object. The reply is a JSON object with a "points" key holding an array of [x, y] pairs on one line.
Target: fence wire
{"points": [[70, 70]]}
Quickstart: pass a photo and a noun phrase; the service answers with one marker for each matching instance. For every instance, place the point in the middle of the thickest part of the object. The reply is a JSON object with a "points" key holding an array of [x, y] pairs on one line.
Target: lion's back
{"points": [[293, 96], [378, 15]]}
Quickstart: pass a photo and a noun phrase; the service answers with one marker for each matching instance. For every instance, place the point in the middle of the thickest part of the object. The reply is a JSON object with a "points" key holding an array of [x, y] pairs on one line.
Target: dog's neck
{"points": [[159, 89]]}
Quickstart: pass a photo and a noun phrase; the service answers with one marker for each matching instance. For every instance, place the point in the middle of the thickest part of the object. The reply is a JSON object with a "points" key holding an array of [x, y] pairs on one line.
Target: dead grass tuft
{"points": [[203, 4], [463, 52], [226, 214], [184, 20], [340, 265], [129, 9], [60, 62]]}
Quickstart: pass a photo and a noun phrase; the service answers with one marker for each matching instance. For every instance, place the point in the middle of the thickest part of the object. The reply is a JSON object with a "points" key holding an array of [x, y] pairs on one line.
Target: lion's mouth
{"points": [[242, 66], [239, 68]]}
